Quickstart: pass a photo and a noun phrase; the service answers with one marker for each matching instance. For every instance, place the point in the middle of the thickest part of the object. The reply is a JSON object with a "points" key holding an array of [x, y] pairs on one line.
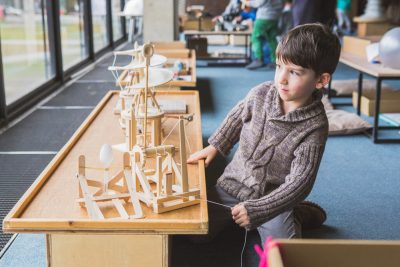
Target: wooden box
{"points": [[368, 26], [337, 253], [206, 24], [169, 45], [357, 45], [390, 102], [238, 40]]}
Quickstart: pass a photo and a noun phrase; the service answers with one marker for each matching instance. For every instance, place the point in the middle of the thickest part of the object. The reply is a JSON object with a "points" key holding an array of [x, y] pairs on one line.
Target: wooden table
{"points": [[247, 55], [73, 239], [380, 73]]}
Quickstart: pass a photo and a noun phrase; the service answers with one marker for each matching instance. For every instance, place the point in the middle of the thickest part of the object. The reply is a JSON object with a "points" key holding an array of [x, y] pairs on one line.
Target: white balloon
{"points": [[106, 155], [389, 48]]}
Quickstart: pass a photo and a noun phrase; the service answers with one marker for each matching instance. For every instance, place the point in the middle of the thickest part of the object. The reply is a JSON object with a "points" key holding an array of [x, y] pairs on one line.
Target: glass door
{"points": [[25, 47], [73, 37]]}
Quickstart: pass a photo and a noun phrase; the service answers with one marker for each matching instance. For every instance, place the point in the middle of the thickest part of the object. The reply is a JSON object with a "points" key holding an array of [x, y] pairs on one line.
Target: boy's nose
{"points": [[282, 78]]}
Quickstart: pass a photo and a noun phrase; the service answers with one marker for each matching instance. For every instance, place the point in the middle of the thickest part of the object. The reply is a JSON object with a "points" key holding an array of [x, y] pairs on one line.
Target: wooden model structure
{"points": [[181, 61], [135, 86], [154, 177], [121, 184]]}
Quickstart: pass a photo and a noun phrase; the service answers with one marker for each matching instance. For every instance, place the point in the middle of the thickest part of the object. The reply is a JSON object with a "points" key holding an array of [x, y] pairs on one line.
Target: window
{"points": [[116, 19], [99, 19], [25, 47], [73, 37]]}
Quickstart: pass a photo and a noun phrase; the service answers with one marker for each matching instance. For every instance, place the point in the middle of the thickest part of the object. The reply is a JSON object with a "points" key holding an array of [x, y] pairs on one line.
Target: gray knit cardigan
{"points": [[276, 163]]}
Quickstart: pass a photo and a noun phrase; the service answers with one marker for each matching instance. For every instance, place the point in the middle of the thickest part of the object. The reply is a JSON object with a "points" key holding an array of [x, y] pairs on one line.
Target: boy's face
{"points": [[296, 84]]}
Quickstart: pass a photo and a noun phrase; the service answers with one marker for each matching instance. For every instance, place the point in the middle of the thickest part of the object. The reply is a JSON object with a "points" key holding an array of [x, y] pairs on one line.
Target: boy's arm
{"points": [[227, 135], [298, 184]]}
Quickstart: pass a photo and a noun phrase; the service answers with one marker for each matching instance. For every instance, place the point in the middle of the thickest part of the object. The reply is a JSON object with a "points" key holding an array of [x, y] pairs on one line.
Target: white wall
{"points": [[160, 21]]}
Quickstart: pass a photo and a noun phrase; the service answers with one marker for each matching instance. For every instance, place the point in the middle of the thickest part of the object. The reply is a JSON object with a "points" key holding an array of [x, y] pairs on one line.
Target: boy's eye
{"points": [[295, 73]]}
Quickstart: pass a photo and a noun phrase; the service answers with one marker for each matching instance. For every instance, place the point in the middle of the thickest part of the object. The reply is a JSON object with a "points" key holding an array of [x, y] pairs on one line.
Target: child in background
{"points": [[265, 27], [282, 129], [342, 12]]}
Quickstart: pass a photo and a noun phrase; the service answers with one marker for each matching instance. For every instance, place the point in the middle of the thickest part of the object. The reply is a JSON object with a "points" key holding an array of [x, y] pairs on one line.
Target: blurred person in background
{"points": [[265, 27], [311, 11], [342, 12]]}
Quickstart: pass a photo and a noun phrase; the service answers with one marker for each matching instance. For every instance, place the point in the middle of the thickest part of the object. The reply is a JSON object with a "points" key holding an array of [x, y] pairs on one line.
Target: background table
{"points": [[73, 239], [246, 56], [380, 73]]}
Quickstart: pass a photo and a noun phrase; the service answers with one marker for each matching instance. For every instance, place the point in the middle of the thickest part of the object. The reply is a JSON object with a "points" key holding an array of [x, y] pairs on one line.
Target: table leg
{"points": [[131, 30], [246, 44], [250, 50], [377, 108], [330, 87], [360, 78]]}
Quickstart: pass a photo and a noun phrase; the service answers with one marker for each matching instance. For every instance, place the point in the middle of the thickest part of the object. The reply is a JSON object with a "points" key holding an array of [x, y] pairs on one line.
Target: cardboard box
{"points": [[206, 24], [175, 53], [357, 45], [238, 40], [390, 102], [169, 45], [338, 253], [371, 26]]}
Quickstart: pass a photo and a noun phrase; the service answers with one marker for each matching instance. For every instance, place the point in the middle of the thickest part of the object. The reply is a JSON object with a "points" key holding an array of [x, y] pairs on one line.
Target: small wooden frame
{"points": [[122, 193], [172, 187]]}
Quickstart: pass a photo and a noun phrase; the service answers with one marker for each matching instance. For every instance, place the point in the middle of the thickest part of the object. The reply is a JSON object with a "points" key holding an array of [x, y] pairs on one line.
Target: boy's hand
{"points": [[239, 215], [208, 153]]}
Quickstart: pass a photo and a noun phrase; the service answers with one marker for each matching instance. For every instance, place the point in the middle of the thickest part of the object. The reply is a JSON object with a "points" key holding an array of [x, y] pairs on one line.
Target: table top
{"points": [[194, 32], [361, 64], [50, 205]]}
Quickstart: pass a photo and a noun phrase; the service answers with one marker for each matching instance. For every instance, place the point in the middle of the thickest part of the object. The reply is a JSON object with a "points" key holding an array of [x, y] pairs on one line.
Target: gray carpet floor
{"points": [[358, 181]]}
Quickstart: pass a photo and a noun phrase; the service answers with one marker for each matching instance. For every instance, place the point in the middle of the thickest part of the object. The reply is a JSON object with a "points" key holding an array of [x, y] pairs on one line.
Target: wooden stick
{"points": [[132, 131], [182, 153], [144, 183], [116, 178], [106, 198], [91, 206], [159, 175], [168, 183], [120, 208], [147, 53], [81, 172], [176, 206], [131, 182]]}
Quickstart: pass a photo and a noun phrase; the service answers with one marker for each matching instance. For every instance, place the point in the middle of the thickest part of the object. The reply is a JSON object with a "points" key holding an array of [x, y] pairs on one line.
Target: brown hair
{"points": [[312, 46]]}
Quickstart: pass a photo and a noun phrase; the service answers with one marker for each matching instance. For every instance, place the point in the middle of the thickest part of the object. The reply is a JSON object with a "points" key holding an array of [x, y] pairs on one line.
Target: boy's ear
{"points": [[323, 80]]}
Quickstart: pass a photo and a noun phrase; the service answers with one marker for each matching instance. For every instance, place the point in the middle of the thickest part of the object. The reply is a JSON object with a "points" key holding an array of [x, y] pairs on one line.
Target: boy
{"points": [[282, 129]]}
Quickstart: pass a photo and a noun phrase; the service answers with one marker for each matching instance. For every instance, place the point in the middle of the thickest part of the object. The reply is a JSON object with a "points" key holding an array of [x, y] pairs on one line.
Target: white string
{"points": [[219, 204], [115, 60], [245, 233], [244, 245], [187, 140]]}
